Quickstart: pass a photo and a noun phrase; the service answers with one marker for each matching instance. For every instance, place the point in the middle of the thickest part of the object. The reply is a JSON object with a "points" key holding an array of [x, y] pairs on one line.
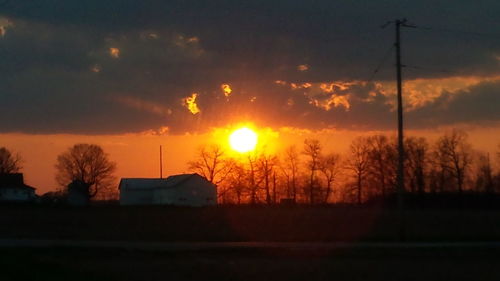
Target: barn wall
{"points": [[195, 192], [133, 196], [164, 196]]}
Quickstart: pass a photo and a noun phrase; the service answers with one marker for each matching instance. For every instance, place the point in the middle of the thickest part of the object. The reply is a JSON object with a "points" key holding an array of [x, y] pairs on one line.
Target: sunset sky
{"points": [[131, 75]]}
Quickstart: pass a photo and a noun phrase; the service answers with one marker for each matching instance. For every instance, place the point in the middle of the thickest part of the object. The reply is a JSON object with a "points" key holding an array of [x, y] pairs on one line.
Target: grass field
{"points": [[245, 224], [352, 264]]}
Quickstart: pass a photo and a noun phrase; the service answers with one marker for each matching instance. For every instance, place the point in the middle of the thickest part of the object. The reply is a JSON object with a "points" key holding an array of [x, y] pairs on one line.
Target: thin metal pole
{"points": [[161, 163], [401, 156]]}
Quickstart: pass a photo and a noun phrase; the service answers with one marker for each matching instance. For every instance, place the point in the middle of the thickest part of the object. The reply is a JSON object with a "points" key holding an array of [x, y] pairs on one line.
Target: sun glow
{"points": [[243, 140]]}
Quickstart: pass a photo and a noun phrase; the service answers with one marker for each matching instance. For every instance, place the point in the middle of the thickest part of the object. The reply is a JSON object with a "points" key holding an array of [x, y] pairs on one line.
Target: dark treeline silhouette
{"points": [[436, 172], [365, 173], [80, 165]]}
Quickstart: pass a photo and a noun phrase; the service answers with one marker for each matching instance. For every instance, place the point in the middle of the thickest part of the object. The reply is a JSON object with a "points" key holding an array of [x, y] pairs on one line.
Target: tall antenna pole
{"points": [[161, 164]]}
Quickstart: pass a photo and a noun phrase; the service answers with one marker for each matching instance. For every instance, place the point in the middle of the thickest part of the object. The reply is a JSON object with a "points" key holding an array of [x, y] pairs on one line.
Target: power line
{"points": [[417, 67], [381, 63], [448, 30]]}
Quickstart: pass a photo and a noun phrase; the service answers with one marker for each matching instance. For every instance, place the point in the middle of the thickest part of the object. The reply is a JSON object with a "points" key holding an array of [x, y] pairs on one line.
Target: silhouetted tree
{"points": [[312, 149], [9, 163], [439, 175], [358, 163], [498, 154], [382, 159], [330, 168], [266, 164], [484, 174], [87, 163], [211, 164], [290, 168], [455, 153], [416, 150], [235, 185], [253, 181]]}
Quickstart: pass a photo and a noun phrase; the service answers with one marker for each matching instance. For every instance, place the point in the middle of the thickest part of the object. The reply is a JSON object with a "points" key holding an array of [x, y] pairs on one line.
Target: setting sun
{"points": [[243, 140]]}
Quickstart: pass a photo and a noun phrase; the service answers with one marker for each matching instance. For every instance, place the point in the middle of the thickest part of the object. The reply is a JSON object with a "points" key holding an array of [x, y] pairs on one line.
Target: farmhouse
{"points": [[178, 190], [13, 189]]}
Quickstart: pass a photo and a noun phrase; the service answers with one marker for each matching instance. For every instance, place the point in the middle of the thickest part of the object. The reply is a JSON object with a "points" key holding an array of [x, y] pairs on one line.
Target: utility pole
{"points": [[161, 163], [400, 180], [401, 151]]}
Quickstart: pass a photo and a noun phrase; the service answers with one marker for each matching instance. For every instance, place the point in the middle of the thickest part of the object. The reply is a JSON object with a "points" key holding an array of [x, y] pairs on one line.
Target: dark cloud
{"points": [[57, 73], [477, 104]]}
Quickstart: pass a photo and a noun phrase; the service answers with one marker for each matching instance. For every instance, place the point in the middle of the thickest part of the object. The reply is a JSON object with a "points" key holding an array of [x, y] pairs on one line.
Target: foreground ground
{"points": [[363, 264], [295, 243], [292, 224]]}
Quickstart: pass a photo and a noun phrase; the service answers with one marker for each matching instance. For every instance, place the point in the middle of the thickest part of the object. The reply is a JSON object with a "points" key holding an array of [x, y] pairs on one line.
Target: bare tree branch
{"points": [[9, 163]]}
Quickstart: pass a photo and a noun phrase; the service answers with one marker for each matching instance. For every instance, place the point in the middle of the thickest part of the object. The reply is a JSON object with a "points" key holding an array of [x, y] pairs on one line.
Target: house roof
{"points": [[150, 183], [13, 180]]}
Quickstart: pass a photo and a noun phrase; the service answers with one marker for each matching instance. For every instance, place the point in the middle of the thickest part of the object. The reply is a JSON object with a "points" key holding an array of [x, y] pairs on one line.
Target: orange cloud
{"points": [[193, 39], [114, 52], [189, 44], [96, 68], [226, 89], [302, 67], [162, 131], [419, 92], [296, 86], [337, 85], [4, 24], [331, 102], [190, 103]]}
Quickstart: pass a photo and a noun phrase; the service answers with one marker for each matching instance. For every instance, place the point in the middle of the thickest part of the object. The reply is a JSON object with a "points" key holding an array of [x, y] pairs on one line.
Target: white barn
{"points": [[13, 189], [178, 190]]}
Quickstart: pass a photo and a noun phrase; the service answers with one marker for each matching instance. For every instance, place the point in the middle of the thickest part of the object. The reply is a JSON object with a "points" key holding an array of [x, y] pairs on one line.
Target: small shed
{"points": [[13, 188], [178, 190]]}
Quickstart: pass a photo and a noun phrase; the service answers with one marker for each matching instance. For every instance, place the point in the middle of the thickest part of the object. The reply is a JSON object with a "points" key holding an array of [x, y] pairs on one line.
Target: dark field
{"points": [[219, 224], [253, 264], [291, 224]]}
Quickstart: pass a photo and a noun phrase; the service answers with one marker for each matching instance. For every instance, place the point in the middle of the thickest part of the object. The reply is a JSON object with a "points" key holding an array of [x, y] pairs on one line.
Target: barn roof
{"points": [[150, 183], [175, 180], [141, 183]]}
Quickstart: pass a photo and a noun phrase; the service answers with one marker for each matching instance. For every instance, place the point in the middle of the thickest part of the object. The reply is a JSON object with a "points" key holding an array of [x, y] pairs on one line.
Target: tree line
{"points": [[304, 174], [366, 171]]}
